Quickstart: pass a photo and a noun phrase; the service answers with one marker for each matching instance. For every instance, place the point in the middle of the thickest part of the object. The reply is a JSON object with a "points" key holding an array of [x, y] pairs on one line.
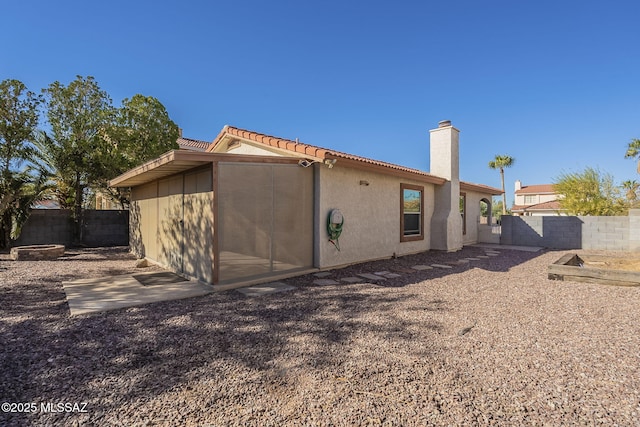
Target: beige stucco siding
{"points": [[534, 199], [473, 216], [371, 216]]}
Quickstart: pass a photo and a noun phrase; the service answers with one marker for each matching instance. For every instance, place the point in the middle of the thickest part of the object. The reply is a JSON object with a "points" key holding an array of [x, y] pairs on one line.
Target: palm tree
{"points": [[633, 150], [500, 162], [632, 187]]}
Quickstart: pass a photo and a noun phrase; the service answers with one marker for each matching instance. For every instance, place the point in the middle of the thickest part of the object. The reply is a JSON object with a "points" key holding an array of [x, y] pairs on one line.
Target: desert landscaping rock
{"points": [[495, 344]]}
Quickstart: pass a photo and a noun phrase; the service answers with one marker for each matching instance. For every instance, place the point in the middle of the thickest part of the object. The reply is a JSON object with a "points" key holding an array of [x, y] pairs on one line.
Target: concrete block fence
{"points": [[621, 233]]}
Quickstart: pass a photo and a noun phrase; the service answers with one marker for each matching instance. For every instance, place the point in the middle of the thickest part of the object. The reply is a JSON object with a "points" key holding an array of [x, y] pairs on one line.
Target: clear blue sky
{"points": [[555, 84]]}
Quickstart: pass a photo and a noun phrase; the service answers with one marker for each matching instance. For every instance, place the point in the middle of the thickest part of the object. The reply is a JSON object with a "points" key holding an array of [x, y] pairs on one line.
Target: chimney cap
{"points": [[444, 123]]}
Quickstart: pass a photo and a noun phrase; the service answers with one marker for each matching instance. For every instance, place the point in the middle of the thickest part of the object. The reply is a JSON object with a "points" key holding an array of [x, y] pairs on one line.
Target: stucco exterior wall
{"points": [[537, 198], [371, 216], [472, 217], [244, 148]]}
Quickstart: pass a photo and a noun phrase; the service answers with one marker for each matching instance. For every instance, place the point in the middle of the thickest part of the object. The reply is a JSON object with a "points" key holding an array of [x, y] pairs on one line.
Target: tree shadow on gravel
{"points": [[503, 263], [115, 359]]}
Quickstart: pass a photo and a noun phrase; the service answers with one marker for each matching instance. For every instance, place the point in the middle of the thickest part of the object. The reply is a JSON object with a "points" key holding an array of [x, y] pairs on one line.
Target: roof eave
{"points": [[484, 189], [178, 161]]}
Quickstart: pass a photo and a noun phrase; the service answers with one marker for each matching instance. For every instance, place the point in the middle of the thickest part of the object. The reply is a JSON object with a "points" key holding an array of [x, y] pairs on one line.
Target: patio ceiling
{"points": [[177, 161]]}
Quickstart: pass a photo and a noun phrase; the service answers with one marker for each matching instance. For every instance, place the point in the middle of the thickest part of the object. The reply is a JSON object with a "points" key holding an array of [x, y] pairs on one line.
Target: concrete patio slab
{"points": [[265, 289], [422, 267], [440, 266], [351, 279], [371, 276], [111, 293], [325, 282], [392, 275], [322, 274]]}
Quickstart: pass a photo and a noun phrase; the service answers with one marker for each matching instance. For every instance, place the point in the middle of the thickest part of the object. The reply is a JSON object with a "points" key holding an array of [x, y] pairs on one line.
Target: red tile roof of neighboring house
{"points": [[320, 153], [193, 144], [553, 205], [46, 204], [536, 189]]}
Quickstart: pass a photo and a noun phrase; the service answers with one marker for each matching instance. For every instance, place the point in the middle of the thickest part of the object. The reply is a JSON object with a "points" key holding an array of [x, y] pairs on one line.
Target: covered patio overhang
{"points": [[177, 161]]}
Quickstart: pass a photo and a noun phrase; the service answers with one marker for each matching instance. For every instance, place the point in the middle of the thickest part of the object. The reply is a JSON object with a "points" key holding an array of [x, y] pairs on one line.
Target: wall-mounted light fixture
{"points": [[330, 162], [364, 182]]}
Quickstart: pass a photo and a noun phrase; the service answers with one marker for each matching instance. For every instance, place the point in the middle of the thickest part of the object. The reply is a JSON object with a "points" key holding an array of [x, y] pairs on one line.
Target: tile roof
{"points": [[320, 153], [536, 189], [553, 205], [193, 144], [305, 149]]}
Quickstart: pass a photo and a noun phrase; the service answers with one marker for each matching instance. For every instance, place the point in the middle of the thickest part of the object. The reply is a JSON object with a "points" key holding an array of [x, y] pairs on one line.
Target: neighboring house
{"points": [[535, 200], [192, 144], [46, 204], [254, 207]]}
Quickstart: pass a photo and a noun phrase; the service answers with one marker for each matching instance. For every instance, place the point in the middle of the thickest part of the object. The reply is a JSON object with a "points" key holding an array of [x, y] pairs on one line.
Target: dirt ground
{"points": [[626, 264]]}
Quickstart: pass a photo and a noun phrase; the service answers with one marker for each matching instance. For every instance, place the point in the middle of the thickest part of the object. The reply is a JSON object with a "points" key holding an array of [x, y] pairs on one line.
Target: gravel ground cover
{"points": [[488, 342]]}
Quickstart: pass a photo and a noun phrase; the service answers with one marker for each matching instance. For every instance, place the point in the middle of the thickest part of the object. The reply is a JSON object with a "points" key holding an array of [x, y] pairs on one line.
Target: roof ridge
{"points": [[194, 139], [321, 152]]}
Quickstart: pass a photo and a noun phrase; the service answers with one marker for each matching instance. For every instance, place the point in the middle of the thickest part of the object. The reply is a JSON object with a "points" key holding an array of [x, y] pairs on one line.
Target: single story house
{"points": [[253, 207]]}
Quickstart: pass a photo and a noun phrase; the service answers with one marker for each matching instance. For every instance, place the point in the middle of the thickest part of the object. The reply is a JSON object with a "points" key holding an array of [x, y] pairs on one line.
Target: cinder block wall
{"points": [[605, 232], [548, 232], [620, 233], [105, 228], [101, 228]]}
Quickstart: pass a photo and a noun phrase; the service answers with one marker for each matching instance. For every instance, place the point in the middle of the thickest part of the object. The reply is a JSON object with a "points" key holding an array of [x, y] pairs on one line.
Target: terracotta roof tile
{"points": [[306, 149], [193, 144], [536, 189], [324, 153], [553, 205]]}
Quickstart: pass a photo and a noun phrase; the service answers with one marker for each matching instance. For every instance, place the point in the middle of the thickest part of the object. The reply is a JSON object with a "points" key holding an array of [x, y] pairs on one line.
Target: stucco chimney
{"points": [[446, 222], [518, 185]]}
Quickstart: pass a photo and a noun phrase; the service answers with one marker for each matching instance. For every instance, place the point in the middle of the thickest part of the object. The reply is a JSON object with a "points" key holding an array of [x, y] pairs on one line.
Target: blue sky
{"points": [[554, 84]]}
